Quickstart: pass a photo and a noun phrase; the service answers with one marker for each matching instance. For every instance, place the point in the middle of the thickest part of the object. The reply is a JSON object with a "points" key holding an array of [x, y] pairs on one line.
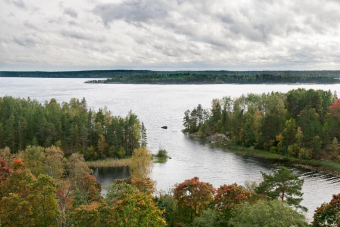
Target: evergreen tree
{"points": [[282, 184]]}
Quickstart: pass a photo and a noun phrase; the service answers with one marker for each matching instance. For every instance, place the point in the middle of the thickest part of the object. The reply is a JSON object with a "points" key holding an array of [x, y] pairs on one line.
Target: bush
{"points": [[162, 153]]}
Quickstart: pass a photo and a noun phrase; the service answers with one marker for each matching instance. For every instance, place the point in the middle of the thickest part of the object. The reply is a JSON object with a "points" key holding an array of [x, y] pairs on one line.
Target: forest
{"points": [[301, 123], [70, 126], [224, 77]]}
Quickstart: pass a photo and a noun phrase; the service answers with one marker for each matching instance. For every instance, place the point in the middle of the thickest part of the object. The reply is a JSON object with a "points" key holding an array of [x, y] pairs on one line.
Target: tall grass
{"points": [[109, 162]]}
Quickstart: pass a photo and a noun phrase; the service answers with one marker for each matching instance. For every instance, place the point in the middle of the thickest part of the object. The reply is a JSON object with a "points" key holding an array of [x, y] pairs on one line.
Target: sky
{"points": [[51, 35]]}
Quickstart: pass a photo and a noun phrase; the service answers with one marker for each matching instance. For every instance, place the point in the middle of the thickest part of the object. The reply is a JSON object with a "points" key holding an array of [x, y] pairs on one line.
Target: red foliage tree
{"points": [[228, 195], [4, 170], [193, 197], [335, 109]]}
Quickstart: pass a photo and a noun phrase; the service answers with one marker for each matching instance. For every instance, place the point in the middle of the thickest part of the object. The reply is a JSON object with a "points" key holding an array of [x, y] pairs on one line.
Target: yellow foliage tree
{"points": [[141, 163]]}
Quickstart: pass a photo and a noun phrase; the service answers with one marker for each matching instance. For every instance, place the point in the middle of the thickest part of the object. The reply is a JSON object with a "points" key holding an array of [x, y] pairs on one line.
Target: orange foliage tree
{"points": [[137, 209], [94, 214], [27, 200], [193, 197], [328, 214], [227, 196]]}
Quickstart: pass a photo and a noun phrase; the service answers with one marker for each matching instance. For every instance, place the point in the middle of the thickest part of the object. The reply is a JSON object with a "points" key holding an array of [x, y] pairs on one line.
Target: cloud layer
{"points": [[169, 34]]}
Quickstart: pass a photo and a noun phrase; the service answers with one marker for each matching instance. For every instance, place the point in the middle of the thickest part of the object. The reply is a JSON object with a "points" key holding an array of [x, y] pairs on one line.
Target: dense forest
{"points": [[223, 77], [69, 126], [301, 123]]}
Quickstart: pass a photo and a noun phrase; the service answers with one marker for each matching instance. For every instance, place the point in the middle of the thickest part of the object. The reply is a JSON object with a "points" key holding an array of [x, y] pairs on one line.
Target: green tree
{"points": [[282, 184], [143, 136], [209, 218], [262, 213], [169, 205]]}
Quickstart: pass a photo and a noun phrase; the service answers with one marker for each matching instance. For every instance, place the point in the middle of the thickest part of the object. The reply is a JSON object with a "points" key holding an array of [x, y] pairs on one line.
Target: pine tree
{"points": [[282, 184]]}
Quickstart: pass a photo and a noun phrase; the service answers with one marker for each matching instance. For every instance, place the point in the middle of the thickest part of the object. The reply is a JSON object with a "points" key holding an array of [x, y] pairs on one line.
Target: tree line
{"points": [[150, 73], [301, 123], [222, 77], [69, 126]]}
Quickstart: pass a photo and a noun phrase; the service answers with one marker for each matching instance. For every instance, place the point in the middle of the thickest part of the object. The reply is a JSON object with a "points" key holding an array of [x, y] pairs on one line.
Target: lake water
{"points": [[164, 105]]}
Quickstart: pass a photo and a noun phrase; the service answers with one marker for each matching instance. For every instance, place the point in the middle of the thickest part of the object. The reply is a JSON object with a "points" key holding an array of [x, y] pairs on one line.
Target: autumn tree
{"points": [[92, 215], [335, 109], [54, 162], [227, 196], [328, 214], [34, 157], [27, 200], [193, 197], [117, 190], [282, 184], [137, 209], [141, 163]]}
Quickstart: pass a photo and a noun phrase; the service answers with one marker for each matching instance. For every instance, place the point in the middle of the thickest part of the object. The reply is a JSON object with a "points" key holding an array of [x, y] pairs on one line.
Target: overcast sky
{"points": [[170, 34]]}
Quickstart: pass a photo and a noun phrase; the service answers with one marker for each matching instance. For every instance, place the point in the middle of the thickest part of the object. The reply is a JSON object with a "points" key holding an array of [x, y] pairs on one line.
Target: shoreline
{"points": [[321, 166]]}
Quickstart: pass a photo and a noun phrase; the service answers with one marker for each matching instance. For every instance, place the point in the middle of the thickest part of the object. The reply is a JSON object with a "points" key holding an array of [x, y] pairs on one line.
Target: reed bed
{"points": [[109, 162]]}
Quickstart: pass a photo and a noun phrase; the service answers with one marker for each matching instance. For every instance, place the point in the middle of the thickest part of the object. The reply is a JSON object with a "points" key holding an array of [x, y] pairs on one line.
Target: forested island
{"points": [[226, 77], [45, 181], [188, 77], [302, 123]]}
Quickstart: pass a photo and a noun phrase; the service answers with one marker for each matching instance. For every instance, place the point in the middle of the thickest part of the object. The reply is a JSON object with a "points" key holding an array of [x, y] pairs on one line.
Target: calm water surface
{"points": [[160, 105]]}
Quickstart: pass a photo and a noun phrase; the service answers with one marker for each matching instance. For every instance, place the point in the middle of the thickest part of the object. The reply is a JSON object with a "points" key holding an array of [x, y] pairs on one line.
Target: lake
{"points": [[164, 105]]}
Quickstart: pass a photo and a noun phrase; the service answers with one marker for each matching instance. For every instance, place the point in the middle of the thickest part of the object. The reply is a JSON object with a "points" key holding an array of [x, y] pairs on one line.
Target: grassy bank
{"points": [[324, 166], [159, 159], [109, 163]]}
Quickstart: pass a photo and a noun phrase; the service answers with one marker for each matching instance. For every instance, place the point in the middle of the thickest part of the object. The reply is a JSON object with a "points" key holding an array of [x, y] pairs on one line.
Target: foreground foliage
{"points": [[266, 213], [73, 198]]}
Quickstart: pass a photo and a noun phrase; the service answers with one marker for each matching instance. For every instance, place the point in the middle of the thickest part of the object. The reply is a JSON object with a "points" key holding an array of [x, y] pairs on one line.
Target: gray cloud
{"points": [[81, 35], [17, 3], [132, 11], [24, 41], [217, 34], [71, 12]]}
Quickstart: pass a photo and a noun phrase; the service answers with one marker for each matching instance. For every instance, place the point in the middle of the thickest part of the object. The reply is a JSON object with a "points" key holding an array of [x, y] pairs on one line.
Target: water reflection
{"points": [[108, 175]]}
